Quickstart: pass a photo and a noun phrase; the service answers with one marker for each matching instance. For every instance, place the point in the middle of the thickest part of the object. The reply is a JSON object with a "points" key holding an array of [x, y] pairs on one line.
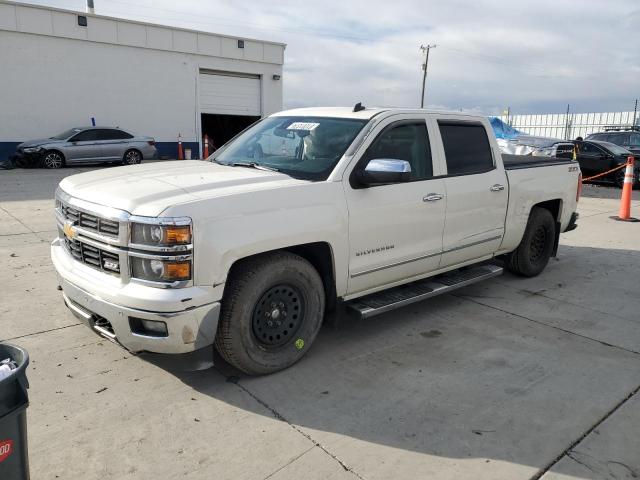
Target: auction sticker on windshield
{"points": [[302, 126]]}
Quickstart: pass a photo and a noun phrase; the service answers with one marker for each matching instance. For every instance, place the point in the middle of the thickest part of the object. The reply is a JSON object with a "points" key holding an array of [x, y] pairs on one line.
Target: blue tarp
{"points": [[502, 130]]}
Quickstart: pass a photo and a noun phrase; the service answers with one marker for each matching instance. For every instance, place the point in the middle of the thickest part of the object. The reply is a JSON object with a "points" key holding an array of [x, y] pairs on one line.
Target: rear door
{"points": [[395, 230], [476, 190], [114, 143]]}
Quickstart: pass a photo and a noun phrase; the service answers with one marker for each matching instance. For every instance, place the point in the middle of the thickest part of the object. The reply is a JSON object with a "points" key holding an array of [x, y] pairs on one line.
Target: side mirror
{"points": [[380, 171]]}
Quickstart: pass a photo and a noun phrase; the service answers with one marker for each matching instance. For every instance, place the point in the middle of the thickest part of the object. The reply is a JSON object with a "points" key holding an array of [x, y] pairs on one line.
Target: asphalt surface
{"points": [[509, 379]]}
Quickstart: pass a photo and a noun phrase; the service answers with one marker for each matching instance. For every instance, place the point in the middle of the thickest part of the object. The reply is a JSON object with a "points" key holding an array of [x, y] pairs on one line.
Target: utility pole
{"points": [[425, 65], [566, 124], [635, 112]]}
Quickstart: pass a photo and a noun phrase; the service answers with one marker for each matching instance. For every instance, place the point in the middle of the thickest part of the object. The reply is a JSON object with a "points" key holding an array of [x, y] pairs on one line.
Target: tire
{"points": [[275, 287], [533, 253], [53, 159], [131, 157], [619, 178]]}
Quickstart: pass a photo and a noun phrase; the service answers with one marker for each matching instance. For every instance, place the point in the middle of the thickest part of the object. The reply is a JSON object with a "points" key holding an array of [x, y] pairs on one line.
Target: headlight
{"points": [[156, 270], [161, 235], [32, 149]]}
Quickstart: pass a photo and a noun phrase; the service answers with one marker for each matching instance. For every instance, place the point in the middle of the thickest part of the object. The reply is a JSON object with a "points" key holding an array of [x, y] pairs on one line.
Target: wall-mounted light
{"points": [[240, 43], [276, 77], [82, 20]]}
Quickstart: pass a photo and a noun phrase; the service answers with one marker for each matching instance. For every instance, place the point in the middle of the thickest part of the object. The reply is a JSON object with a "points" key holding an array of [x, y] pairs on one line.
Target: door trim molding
{"points": [[423, 257]]}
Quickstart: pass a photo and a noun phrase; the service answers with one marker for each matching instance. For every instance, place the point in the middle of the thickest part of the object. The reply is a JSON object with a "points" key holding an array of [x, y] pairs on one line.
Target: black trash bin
{"points": [[14, 456]]}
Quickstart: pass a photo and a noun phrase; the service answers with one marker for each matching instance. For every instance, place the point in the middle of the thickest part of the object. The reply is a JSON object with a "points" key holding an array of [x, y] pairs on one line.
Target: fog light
{"points": [[148, 328]]}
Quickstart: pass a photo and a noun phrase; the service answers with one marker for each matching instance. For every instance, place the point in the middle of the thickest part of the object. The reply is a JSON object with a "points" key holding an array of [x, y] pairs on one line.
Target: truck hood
{"points": [[149, 189]]}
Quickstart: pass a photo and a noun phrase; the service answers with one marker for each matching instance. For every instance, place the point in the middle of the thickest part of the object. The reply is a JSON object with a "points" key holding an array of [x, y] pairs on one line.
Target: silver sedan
{"points": [[86, 145]]}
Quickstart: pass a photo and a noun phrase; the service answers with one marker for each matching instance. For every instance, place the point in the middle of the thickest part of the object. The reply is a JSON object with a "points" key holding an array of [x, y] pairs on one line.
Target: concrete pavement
{"points": [[510, 379]]}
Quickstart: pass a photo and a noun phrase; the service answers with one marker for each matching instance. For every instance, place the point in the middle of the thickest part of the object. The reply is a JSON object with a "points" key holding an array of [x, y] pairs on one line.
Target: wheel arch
{"points": [[319, 254], [555, 208]]}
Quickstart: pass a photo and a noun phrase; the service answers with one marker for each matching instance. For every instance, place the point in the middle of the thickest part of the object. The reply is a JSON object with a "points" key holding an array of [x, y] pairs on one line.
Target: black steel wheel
{"points": [[535, 249], [272, 310], [278, 315]]}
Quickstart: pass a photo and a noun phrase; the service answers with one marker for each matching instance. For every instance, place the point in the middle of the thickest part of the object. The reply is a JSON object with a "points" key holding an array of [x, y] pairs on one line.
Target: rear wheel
{"points": [[132, 157], [533, 253], [53, 159], [271, 313]]}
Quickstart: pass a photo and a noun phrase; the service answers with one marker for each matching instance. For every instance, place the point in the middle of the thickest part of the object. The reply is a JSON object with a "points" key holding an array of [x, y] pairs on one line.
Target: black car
{"points": [[595, 157], [629, 139]]}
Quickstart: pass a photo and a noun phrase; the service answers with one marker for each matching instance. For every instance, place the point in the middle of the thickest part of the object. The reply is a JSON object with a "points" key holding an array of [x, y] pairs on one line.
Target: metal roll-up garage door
{"points": [[229, 94]]}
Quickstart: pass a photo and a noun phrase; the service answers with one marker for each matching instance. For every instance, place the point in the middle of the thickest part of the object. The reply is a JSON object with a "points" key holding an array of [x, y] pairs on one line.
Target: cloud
{"points": [[535, 56]]}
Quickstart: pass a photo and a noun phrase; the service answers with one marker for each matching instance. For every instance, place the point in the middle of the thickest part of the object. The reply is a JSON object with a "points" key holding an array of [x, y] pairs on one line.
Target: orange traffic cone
{"points": [[206, 146], [180, 152], [627, 189]]}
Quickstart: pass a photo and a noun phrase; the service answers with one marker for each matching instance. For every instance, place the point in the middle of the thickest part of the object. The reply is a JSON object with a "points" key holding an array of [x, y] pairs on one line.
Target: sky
{"points": [[531, 56]]}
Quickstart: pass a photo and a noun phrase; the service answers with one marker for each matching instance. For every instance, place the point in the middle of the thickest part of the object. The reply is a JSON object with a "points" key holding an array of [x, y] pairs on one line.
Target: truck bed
{"points": [[515, 162]]}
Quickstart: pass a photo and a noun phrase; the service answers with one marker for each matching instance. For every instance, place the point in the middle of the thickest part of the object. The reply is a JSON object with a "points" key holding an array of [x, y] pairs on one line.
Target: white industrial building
{"points": [[61, 69]]}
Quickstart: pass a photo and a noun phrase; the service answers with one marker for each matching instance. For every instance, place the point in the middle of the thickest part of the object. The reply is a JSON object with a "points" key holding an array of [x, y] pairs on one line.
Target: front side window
{"points": [[589, 148], [303, 147], [406, 141], [66, 134], [466, 148], [85, 136]]}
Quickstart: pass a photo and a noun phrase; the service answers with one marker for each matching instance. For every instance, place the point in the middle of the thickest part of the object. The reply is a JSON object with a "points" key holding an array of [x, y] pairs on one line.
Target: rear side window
{"points": [[466, 148], [119, 135]]}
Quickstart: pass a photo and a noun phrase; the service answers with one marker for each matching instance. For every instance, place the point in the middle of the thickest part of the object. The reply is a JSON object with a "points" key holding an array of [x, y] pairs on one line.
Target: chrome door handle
{"points": [[432, 197], [497, 188]]}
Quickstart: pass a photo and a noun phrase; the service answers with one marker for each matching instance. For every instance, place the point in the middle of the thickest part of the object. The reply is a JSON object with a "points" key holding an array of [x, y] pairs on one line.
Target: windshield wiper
{"points": [[257, 166]]}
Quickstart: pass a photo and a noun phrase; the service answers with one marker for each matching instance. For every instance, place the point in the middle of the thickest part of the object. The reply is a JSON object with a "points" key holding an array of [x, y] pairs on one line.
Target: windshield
{"points": [[303, 147], [66, 134], [615, 149]]}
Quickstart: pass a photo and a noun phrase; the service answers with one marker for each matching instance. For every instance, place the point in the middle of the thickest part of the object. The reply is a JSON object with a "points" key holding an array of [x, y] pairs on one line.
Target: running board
{"points": [[396, 297]]}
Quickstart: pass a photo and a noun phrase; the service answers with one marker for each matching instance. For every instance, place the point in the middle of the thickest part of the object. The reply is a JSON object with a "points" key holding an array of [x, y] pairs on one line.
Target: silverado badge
{"points": [[69, 230]]}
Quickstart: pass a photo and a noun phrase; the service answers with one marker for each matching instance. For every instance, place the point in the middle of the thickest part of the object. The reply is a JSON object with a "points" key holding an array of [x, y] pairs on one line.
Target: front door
{"points": [[477, 193], [592, 159], [395, 230], [84, 147]]}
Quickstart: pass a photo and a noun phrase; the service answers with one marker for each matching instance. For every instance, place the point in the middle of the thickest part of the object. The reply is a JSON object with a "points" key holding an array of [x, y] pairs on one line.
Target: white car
{"points": [[373, 209]]}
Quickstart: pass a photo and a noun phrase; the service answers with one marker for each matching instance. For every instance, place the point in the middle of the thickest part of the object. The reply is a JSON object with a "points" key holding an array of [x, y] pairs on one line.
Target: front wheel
{"points": [[271, 313], [53, 160], [533, 253]]}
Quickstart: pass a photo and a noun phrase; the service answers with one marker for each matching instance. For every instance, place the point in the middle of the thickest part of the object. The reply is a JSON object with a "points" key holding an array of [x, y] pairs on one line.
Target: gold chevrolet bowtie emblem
{"points": [[69, 230]]}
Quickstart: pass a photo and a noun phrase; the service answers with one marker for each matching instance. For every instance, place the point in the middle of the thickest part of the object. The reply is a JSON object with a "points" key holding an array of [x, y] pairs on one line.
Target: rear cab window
{"points": [[466, 147]]}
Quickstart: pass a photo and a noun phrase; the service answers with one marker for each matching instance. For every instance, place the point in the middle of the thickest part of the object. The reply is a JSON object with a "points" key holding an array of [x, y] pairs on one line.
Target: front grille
{"points": [[92, 256], [90, 222]]}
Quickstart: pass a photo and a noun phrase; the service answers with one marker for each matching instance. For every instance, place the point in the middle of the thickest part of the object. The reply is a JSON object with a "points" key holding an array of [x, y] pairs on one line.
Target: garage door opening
{"points": [[222, 128], [229, 102]]}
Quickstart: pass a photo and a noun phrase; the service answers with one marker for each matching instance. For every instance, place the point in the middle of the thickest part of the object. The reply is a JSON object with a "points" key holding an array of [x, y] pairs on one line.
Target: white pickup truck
{"points": [[373, 209]]}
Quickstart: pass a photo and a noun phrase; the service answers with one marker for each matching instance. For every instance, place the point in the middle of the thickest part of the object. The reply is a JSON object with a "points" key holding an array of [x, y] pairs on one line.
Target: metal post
{"points": [[566, 124], [635, 111]]}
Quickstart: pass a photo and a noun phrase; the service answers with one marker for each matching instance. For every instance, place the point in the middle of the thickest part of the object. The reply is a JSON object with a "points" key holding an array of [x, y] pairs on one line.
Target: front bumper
{"points": [[26, 160], [190, 314]]}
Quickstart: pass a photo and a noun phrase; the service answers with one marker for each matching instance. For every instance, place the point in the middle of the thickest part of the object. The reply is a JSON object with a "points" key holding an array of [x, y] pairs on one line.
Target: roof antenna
{"points": [[358, 107]]}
